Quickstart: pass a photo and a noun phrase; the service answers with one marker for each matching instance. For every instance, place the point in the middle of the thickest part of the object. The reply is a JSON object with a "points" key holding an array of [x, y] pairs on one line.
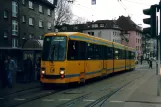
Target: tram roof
{"points": [[69, 34]]}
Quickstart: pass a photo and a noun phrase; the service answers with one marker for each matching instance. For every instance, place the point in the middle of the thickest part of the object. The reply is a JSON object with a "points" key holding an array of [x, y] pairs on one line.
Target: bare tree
{"points": [[63, 12], [79, 20]]}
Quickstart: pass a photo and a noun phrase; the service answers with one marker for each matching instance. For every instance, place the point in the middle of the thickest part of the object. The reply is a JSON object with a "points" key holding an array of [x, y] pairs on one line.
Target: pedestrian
{"points": [[141, 60], [10, 67], [150, 62], [3, 75], [27, 69], [38, 68]]}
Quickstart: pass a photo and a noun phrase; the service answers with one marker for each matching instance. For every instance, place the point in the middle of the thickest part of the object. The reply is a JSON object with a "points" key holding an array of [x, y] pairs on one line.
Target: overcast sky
{"points": [[110, 9]]}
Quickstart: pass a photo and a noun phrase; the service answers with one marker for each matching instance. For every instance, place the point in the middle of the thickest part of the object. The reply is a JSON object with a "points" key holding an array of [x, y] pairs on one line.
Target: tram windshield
{"points": [[54, 48]]}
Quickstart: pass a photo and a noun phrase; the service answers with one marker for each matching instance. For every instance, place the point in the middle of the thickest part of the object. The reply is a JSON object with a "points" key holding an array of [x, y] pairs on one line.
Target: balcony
{"points": [[14, 14], [14, 32]]}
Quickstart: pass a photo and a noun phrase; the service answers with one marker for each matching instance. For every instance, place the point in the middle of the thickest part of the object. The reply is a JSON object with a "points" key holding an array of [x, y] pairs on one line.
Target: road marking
{"points": [[1, 98], [116, 101], [89, 100], [48, 100], [19, 99], [64, 99]]}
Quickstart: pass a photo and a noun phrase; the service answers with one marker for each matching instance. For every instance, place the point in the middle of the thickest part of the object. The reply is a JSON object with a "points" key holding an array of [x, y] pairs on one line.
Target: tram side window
{"points": [[73, 50], [120, 52], [82, 50], [90, 51], [105, 52], [97, 51], [132, 55], [127, 54], [116, 53], [123, 54], [110, 52]]}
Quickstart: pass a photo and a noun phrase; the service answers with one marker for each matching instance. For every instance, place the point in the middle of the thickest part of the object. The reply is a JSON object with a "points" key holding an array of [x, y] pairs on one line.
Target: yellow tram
{"points": [[75, 57]]}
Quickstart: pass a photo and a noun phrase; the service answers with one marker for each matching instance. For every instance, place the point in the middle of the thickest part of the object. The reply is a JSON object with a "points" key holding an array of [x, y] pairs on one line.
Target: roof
{"points": [[33, 44], [127, 24], [109, 24], [71, 28], [47, 3]]}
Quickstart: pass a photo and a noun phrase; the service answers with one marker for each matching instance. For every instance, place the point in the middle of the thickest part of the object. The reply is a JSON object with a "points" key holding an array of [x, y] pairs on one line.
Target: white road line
{"points": [[89, 100], [1, 98], [48, 100], [19, 99], [116, 101], [64, 99]]}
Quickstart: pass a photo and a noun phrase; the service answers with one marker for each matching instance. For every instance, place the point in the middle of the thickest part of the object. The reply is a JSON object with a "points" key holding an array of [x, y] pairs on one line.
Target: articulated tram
{"points": [[76, 57]]}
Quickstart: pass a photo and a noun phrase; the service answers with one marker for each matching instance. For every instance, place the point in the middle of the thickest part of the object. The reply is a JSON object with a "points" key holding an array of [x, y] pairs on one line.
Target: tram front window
{"points": [[54, 48]]}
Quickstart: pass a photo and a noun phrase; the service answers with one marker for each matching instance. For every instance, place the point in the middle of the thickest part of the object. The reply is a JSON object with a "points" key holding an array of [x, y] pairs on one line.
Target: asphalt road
{"points": [[93, 94]]}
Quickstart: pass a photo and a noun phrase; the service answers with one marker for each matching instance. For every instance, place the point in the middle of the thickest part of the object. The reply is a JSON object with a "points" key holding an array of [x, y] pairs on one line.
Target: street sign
{"points": [[93, 2]]}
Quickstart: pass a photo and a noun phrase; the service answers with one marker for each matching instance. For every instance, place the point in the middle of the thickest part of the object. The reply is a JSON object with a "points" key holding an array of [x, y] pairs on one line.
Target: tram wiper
{"points": [[52, 54]]}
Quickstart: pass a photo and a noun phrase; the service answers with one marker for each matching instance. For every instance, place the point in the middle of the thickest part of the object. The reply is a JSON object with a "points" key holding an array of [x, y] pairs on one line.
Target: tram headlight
{"points": [[43, 71], [62, 72]]}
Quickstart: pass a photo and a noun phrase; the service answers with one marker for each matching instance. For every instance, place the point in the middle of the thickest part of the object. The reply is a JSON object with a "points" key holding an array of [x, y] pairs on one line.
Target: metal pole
{"points": [[157, 47], [158, 88]]}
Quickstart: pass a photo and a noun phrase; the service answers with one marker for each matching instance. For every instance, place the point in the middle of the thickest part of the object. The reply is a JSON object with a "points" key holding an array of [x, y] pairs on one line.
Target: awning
{"points": [[33, 44], [10, 48]]}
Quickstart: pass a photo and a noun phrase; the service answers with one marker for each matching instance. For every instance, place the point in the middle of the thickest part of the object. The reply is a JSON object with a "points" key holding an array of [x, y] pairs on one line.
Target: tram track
{"points": [[101, 100], [20, 91], [17, 103]]}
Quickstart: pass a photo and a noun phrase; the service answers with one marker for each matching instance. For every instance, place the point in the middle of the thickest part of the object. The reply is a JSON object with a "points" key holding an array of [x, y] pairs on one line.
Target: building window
{"points": [[49, 12], [113, 33], [23, 19], [14, 9], [5, 34], [40, 8], [31, 36], [136, 40], [31, 21], [14, 27], [93, 25], [23, 1], [40, 23], [96, 25], [5, 14], [14, 42], [91, 33], [102, 25], [49, 25], [30, 4]]}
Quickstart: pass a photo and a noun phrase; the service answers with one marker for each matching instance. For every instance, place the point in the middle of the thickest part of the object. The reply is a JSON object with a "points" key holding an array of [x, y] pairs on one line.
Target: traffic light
{"points": [[152, 30]]}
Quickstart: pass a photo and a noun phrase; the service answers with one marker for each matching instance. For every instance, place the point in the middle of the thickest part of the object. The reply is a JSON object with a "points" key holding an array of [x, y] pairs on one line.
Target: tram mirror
{"points": [[116, 51]]}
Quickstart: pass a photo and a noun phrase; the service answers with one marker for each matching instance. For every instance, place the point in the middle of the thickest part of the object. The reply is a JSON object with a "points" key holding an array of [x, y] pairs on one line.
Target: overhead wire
{"points": [[92, 12], [137, 2], [123, 6]]}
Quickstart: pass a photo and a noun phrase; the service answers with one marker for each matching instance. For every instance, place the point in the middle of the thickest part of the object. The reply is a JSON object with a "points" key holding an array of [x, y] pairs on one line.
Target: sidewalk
{"points": [[140, 93], [19, 87]]}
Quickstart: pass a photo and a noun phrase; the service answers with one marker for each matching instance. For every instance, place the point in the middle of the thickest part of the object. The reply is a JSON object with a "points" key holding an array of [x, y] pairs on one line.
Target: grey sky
{"points": [[110, 9]]}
